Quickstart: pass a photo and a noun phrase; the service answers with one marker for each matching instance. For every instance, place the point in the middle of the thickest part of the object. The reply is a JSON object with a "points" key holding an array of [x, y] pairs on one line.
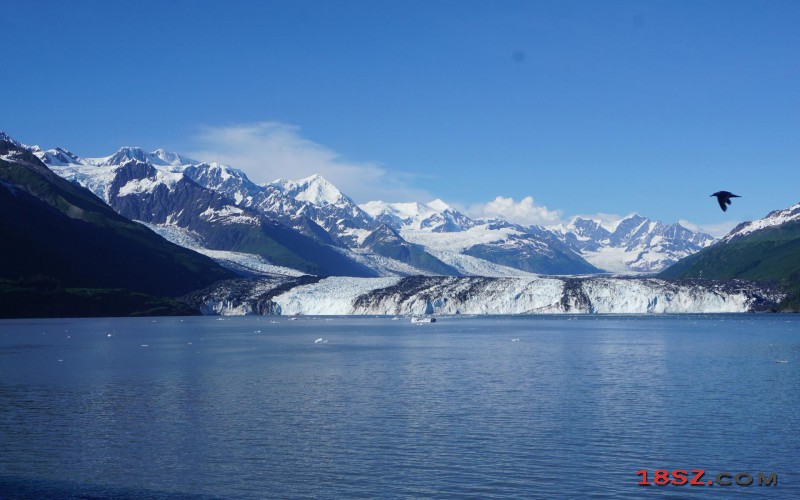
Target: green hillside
{"points": [[57, 232], [770, 254]]}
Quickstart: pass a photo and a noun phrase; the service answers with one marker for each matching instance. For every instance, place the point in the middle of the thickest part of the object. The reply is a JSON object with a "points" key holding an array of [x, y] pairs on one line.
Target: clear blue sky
{"points": [[588, 106]]}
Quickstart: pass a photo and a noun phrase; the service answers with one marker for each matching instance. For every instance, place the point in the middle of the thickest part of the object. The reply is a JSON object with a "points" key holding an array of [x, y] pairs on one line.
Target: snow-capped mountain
{"points": [[315, 190], [477, 246], [58, 156], [158, 157], [319, 200], [315, 207], [302, 205], [767, 250], [153, 189], [230, 213], [57, 233], [435, 216], [218, 211], [159, 187], [774, 218], [633, 244]]}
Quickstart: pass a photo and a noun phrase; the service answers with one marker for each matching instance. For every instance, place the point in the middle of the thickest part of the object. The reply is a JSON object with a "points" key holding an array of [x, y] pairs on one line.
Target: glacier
{"points": [[440, 295]]}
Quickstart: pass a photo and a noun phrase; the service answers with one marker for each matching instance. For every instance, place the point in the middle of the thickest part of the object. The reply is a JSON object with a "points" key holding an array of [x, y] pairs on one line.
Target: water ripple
{"points": [[572, 410]]}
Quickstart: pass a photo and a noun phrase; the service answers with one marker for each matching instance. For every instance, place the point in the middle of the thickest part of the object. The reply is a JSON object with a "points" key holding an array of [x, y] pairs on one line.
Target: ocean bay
{"points": [[533, 406]]}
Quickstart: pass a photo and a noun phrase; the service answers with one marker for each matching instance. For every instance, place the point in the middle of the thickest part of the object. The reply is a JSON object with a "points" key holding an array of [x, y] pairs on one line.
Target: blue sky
{"points": [[586, 106]]}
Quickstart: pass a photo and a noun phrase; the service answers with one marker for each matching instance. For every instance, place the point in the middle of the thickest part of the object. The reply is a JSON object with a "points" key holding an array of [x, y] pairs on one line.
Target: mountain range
{"points": [[309, 225], [65, 252], [131, 232]]}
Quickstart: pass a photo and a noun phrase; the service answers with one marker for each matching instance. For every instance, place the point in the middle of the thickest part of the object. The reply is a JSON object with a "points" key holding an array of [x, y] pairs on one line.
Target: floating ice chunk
{"points": [[423, 320]]}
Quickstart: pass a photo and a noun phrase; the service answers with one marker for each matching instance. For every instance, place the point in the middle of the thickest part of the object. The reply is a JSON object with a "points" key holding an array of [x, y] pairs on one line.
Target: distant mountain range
{"points": [[311, 226], [150, 226]]}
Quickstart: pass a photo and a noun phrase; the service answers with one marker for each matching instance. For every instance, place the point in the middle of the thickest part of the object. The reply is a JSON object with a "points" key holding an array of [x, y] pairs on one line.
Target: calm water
{"points": [[246, 407]]}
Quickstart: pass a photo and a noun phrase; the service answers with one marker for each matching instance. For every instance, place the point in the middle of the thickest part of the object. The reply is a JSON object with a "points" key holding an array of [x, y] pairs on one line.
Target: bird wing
{"points": [[721, 200]]}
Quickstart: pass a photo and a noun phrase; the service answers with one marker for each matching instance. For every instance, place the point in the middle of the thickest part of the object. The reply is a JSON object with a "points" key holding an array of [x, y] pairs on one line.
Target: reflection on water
{"points": [[250, 408]]}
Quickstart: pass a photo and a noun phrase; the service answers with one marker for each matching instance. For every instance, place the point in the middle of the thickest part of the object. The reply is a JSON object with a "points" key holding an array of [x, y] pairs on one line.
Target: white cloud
{"points": [[270, 150], [524, 211]]}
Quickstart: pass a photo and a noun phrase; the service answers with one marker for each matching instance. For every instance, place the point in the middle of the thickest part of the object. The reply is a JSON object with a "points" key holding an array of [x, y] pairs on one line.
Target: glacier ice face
{"points": [[480, 295], [328, 295]]}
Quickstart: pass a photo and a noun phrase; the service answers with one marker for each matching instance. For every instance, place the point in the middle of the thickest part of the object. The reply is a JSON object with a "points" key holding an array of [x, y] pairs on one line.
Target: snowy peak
{"points": [[126, 154], [402, 210], [588, 228], [168, 158], [226, 180], [7, 138], [435, 216], [632, 228], [218, 173], [279, 184], [159, 158], [438, 205], [56, 157], [632, 244], [160, 185], [774, 218], [383, 213], [315, 190], [12, 150]]}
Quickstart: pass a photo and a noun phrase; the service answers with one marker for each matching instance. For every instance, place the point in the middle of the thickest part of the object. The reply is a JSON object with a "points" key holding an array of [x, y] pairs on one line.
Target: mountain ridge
{"points": [[767, 249], [316, 208], [61, 237], [310, 226]]}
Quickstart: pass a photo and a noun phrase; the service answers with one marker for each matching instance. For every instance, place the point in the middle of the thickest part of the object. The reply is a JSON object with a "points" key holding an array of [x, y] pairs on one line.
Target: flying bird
{"points": [[724, 199]]}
